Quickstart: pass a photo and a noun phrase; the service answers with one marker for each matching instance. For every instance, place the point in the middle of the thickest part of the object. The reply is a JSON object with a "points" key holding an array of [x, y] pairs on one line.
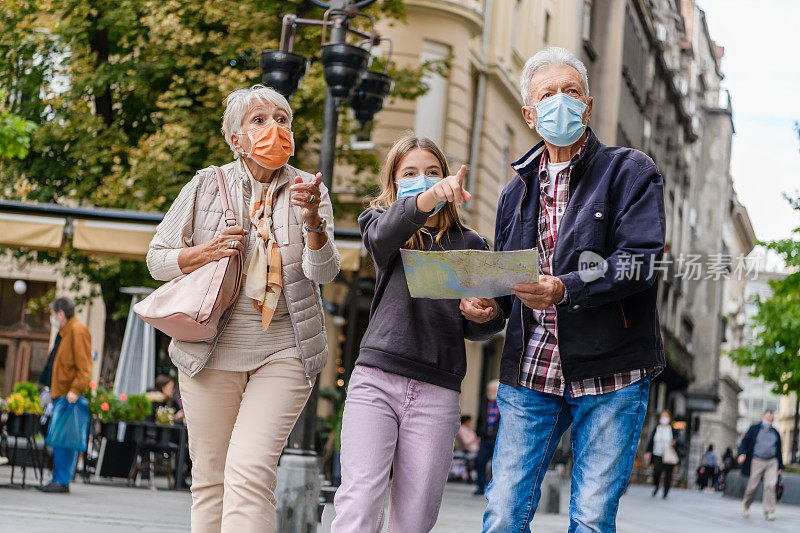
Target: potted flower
{"points": [[132, 409], [103, 407], [110, 409], [24, 410]]}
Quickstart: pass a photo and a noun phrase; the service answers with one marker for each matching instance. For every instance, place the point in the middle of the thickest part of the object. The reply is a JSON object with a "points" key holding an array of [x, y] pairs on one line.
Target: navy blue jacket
{"points": [[748, 444], [616, 210]]}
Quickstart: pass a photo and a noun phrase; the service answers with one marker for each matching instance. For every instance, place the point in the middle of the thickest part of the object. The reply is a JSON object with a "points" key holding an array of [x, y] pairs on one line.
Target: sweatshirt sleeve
{"points": [[173, 234], [321, 266], [384, 232]]}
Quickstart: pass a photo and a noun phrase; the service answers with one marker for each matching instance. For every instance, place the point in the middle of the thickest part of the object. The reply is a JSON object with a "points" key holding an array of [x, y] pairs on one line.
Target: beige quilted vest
{"points": [[302, 295]]}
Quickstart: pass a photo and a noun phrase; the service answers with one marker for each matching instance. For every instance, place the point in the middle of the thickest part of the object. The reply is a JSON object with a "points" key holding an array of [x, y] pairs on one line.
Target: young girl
{"points": [[402, 409]]}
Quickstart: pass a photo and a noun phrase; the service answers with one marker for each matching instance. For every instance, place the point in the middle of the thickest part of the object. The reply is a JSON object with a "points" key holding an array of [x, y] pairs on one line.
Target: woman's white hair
{"points": [[552, 55], [238, 102]]}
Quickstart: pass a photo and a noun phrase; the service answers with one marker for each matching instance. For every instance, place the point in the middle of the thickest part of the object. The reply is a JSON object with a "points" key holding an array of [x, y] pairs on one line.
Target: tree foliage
{"points": [[14, 135], [775, 353], [123, 100]]}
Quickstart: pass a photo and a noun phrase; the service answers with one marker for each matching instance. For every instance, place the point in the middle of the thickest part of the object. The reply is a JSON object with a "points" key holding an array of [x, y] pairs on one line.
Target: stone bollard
{"points": [[550, 501], [297, 494]]}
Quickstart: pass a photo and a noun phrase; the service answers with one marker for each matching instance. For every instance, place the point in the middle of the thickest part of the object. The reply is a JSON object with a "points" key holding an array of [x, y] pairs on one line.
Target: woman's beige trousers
{"points": [[238, 423]]}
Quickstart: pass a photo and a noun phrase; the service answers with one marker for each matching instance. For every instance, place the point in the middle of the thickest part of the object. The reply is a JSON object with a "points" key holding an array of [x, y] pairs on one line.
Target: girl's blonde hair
{"points": [[448, 214]]}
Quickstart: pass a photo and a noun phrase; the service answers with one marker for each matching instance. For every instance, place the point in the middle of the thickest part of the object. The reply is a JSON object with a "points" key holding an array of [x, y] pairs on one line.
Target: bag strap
{"points": [[230, 219], [225, 197]]}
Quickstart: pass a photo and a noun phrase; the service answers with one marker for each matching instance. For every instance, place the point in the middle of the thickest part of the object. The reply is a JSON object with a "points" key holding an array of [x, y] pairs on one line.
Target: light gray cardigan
{"points": [[196, 217]]}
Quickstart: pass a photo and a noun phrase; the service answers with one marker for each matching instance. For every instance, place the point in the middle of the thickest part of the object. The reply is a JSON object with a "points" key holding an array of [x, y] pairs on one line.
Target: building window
{"points": [[634, 58], [515, 16], [546, 32], [588, 22], [431, 106], [586, 26]]}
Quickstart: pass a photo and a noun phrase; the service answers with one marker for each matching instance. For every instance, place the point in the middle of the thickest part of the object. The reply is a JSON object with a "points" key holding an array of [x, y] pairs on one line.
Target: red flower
{"points": [[104, 406], [123, 397], [92, 385]]}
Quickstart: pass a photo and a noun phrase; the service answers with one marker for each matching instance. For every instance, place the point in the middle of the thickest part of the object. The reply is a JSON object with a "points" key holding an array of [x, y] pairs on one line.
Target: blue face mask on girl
{"points": [[418, 184], [559, 119]]}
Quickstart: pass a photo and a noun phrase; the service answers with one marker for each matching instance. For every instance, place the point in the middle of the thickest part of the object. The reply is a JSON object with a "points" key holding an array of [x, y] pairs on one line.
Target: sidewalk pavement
{"points": [[118, 509]]}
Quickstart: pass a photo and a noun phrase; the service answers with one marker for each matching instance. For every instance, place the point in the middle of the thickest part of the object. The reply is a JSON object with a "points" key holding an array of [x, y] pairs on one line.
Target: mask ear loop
{"points": [[240, 143]]}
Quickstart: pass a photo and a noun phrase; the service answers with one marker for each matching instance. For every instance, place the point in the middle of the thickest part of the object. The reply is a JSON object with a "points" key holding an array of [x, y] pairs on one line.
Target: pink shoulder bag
{"points": [[189, 307]]}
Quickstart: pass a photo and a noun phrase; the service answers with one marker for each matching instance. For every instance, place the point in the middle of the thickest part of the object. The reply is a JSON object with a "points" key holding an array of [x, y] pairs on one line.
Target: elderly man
{"points": [[583, 342], [70, 368]]}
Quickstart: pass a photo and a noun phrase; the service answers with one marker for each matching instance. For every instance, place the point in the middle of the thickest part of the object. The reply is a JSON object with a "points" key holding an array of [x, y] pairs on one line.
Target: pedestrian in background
{"points": [[488, 422], [70, 369], [402, 407], [467, 439], [728, 464], [709, 469], [662, 449], [761, 458]]}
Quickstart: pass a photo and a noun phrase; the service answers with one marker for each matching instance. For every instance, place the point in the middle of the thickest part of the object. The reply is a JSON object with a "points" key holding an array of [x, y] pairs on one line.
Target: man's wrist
{"points": [[564, 295]]}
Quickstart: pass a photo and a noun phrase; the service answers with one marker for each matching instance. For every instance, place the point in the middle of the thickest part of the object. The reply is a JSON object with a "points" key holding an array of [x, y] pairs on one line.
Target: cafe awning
{"points": [[110, 232], [31, 231], [127, 240]]}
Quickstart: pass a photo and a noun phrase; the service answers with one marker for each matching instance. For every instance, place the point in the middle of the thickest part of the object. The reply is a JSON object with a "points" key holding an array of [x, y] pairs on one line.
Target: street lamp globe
{"points": [[20, 287]]}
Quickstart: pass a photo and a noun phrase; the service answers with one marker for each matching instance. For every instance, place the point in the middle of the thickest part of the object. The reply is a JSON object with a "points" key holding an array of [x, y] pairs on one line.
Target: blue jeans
{"points": [[605, 434], [64, 460]]}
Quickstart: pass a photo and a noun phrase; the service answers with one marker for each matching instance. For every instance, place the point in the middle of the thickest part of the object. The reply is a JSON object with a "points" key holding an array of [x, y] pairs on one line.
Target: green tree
{"points": [[775, 352], [14, 135], [126, 99]]}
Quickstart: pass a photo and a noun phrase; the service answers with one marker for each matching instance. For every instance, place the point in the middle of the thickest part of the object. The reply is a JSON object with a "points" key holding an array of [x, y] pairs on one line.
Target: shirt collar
{"points": [[528, 163], [546, 157]]}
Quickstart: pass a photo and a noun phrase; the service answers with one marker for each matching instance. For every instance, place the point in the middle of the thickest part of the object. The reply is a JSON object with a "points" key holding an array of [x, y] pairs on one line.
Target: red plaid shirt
{"points": [[541, 363]]}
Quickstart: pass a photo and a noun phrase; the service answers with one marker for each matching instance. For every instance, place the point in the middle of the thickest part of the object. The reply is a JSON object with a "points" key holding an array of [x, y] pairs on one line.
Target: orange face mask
{"points": [[271, 146]]}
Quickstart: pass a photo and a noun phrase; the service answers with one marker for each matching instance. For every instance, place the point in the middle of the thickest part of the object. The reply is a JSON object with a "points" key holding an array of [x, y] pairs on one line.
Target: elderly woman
{"points": [[243, 390]]}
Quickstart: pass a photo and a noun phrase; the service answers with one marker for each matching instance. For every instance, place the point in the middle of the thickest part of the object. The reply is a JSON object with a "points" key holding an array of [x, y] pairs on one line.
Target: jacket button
{"points": [[575, 306], [598, 214]]}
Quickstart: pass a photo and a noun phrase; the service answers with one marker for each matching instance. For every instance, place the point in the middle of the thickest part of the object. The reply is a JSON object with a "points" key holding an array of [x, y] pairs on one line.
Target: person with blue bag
{"points": [[71, 371]]}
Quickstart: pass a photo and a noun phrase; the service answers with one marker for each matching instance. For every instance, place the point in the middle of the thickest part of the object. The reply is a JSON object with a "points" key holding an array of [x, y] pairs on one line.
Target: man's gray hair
{"points": [[64, 304], [239, 101], [552, 55]]}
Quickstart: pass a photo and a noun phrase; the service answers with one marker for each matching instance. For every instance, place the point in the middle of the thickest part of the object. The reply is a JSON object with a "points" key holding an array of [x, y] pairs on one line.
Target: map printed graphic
{"points": [[468, 273]]}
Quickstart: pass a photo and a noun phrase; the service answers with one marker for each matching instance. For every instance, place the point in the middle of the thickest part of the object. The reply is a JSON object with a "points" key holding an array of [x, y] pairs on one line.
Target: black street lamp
{"points": [[367, 98], [282, 70], [344, 66]]}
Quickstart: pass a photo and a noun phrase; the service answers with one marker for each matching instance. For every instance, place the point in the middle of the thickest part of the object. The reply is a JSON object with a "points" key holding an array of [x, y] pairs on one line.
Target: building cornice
{"points": [[459, 11]]}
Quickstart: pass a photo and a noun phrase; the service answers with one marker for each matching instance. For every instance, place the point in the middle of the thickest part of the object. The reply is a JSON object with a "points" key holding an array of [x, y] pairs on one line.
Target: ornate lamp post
{"points": [[347, 77]]}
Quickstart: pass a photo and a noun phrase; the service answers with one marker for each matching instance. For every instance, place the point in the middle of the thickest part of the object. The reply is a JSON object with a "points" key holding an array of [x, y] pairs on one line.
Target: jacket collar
{"points": [[529, 163], [66, 328]]}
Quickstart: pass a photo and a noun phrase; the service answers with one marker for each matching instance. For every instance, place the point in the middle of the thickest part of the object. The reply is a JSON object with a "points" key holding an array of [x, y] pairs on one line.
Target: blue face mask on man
{"points": [[418, 184], [560, 119]]}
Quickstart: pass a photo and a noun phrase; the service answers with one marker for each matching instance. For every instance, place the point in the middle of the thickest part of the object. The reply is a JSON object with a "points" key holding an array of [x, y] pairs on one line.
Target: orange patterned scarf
{"points": [[264, 282]]}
